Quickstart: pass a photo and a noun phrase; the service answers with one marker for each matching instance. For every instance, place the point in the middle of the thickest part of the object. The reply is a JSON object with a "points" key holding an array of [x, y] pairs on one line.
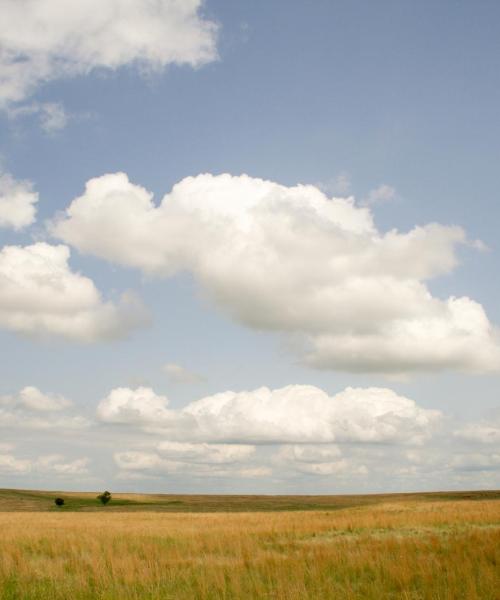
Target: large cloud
{"points": [[290, 259], [293, 414], [42, 40], [17, 202], [41, 296]]}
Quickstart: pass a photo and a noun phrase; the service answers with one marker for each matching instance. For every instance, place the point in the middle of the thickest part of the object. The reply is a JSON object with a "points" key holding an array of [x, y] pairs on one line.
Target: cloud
{"points": [[51, 115], [40, 296], [178, 374], [292, 260], [200, 460], [51, 464], [43, 40], [136, 407], [476, 462], [32, 409], [383, 193], [293, 414], [310, 453], [11, 464], [206, 453], [316, 459], [337, 186], [17, 203], [484, 432], [54, 463], [301, 413], [32, 398]]}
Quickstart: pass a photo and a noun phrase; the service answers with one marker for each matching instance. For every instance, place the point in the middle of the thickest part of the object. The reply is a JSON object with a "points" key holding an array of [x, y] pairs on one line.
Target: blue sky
{"points": [[393, 103]]}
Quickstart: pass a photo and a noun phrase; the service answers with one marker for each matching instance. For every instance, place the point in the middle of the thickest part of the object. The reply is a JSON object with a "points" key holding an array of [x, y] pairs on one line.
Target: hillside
{"points": [[33, 500]]}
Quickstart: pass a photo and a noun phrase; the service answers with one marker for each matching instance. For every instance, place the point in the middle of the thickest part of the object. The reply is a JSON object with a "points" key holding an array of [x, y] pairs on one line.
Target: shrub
{"points": [[105, 497], [59, 501]]}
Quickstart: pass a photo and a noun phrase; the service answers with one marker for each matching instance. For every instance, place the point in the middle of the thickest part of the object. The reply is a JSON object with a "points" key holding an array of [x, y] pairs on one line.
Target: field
{"points": [[415, 546]]}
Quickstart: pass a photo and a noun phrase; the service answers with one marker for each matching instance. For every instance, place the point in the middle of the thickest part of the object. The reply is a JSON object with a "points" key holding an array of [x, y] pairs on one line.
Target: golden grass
{"points": [[415, 549]]}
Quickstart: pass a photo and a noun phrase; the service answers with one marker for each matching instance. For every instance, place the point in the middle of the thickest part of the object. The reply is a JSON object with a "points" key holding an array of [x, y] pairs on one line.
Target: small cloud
{"points": [[32, 398], [52, 116], [178, 374], [340, 185], [479, 245], [17, 203], [380, 195]]}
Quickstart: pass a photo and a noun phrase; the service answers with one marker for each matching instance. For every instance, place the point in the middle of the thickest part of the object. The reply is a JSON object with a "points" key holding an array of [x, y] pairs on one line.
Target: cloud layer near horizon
{"points": [[292, 260], [44, 40], [293, 430], [264, 435]]}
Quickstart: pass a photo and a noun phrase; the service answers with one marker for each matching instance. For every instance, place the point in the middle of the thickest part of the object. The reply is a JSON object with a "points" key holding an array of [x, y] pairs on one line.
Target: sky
{"points": [[249, 246]]}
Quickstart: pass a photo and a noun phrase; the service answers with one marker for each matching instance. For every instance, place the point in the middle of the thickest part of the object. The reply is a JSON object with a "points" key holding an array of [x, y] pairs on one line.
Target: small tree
{"points": [[105, 497], [59, 501]]}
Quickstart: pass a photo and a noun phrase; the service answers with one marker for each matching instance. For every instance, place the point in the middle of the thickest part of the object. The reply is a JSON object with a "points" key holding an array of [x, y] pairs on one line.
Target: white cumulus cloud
{"points": [[135, 407], [31, 408], [17, 203], [292, 260], [32, 398], [293, 414], [45, 40], [41, 296]]}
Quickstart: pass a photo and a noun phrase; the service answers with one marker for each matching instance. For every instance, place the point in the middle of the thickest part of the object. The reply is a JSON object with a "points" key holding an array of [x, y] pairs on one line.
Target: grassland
{"points": [[429, 546], [34, 500]]}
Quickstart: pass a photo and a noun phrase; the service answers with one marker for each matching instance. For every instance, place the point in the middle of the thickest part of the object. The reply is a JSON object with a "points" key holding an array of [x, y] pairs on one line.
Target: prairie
{"points": [[414, 546]]}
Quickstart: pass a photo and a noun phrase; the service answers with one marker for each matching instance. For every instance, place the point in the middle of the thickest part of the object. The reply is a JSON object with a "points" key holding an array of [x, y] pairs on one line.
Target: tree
{"points": [[105, 497], [59, 501]]}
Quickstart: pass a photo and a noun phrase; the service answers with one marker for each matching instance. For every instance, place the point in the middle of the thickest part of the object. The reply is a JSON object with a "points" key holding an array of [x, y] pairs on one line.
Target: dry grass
{"points": [[409, 549]]}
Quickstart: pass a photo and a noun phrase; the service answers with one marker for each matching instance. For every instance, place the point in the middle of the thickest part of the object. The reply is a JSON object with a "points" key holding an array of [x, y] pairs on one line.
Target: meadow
{"points": [[408, 546]]}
